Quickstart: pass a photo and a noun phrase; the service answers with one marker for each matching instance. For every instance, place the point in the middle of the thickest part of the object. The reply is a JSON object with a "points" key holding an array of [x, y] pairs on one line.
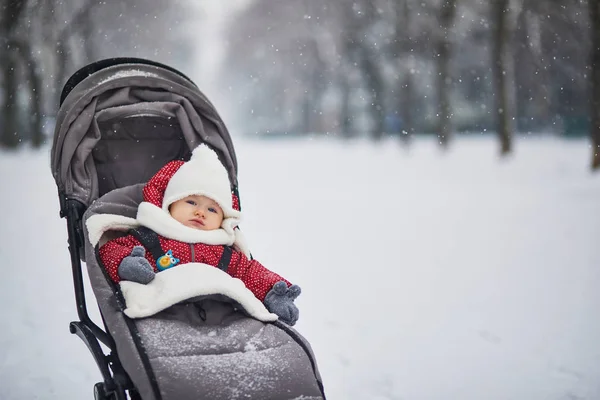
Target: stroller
{"points": [[121, 120]]}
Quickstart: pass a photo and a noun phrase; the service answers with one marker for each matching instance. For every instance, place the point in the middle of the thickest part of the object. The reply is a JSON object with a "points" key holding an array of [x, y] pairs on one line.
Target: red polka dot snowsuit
{"points": [[258, 279], [255, 276]]}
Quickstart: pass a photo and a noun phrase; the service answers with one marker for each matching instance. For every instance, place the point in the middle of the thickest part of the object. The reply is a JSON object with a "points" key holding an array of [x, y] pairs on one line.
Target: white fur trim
{"points": [[98, 224], [156, 219], [164, 224], [184, 282], [241, 244], [205, 175]]}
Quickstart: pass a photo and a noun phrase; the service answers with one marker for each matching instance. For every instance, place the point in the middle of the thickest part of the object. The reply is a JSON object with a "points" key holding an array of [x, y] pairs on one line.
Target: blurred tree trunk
{"points": [[78, 22], [447, 13], [374, 83], [10, 136], [61, 60], [594, 10], [358, 16], [372, 74], [9, 131], [305, 122], [504, 19], [87, 33], [408, 129], [316, 90], [36, 114], [344, 118], [350, 47], [404, 40], [537, 40]]}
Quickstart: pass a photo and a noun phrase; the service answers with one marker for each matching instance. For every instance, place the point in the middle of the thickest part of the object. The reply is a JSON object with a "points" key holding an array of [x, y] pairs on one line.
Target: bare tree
{"points": [[69, 26], [504, 17], [349, 48], [535, 62], [344, 84], [444, 53], [415, 28], [552, 42], [367, 13], [405, 37], [44, 41], [35, 90], [9, 22], [594, 12]]}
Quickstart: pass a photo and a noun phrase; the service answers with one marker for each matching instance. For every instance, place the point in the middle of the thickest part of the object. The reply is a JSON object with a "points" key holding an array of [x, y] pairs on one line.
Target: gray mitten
{"points": [[280, 301], [136, 268]]}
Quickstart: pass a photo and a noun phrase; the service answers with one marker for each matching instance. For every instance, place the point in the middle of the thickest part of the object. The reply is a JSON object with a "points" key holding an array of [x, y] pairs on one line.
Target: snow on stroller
{"points": [[119, 122]]}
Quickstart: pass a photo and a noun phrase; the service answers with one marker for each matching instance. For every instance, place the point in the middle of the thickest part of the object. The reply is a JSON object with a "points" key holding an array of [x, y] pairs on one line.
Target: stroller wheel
{"points": [[100, 392]]}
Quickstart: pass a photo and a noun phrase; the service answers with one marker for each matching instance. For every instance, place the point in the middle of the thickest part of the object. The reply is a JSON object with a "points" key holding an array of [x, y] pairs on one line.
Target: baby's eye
{"points": [[212, 210], [192, 202]]}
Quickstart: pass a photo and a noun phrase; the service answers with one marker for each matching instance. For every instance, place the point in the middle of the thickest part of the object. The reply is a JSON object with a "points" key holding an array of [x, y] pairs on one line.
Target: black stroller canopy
{"points": [[122, 119], [92, 68]]}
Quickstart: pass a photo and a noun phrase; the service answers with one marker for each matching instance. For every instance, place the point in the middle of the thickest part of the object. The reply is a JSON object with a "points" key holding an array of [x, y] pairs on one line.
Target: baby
{"points": [[190, 207]]}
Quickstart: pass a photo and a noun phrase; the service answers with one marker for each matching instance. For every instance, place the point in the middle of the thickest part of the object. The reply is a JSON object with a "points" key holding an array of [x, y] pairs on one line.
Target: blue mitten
{"points": [[136, 268], [280, 301]]}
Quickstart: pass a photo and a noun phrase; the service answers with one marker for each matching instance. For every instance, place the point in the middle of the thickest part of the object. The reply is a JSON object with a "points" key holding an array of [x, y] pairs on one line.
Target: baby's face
{"points": [[198, 212]]}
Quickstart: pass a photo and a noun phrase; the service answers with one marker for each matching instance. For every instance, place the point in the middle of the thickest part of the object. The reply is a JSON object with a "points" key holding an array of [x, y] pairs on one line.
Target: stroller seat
{"points": [[206, 347]]}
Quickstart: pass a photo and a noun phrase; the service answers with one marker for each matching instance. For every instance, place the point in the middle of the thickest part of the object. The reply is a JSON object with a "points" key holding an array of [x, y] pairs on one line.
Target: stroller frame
{"points": [[116, 384]]}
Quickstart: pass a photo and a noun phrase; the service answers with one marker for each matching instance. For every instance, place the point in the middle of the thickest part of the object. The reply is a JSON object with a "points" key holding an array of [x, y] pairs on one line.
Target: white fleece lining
{"points": [[162, 223], [98, 224], [186, 281]]}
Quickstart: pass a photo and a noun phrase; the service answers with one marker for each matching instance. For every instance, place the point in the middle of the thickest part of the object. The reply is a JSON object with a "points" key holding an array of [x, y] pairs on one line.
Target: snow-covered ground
{"points": [[424, 276]]}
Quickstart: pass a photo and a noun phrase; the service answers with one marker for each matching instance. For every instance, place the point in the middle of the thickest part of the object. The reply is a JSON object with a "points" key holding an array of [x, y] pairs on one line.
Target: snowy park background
{"points": [[424, 276], [427, 274]]}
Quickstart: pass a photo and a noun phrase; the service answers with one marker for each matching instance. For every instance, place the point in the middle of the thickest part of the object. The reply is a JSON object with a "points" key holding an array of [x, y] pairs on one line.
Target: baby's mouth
{"points": [[197, 222]]}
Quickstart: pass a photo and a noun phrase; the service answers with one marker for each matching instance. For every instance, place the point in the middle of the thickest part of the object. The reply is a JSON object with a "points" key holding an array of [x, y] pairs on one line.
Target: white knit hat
{"points": [[203, 175]]}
